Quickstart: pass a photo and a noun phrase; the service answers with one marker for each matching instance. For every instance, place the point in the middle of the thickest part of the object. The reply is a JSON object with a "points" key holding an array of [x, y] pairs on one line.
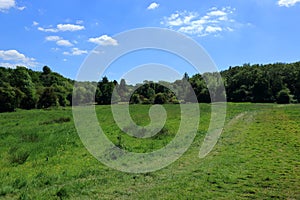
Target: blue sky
{"points": [[61, 34]]}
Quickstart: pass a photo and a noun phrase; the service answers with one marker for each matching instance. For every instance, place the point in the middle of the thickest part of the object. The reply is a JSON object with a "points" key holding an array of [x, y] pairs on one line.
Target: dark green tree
{"points": [[105, 89], [48, 98], [160, 98], [284, 97]]}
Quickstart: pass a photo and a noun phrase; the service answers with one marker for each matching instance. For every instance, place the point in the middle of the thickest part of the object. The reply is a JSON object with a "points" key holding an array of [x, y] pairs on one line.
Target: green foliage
{"points": [[284, 96], [9, 98], [135, 99], [46, 70], [104, 91], [48, 98], [22, 80], [160, 98], [261, 83], [27, 89]]}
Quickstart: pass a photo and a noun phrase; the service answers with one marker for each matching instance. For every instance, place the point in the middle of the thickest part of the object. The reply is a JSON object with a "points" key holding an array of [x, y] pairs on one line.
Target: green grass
{"points": [[257, 157]]}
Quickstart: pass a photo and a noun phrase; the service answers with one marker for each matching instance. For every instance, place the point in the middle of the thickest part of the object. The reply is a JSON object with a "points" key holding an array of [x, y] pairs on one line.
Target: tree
{"points": [[9, 98], [135, 99], [48, 98], [46, 70], [105, 89], [160, 98], [261, 88], [284, 97], [22, 80]]}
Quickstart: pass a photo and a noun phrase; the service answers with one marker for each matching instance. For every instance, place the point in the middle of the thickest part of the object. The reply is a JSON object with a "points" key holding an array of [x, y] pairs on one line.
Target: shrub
{"points": [[284, 97], [135, 99], [160, 98]]}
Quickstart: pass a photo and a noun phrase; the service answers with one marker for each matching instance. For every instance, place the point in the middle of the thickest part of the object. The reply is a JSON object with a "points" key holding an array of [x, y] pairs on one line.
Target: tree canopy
{"points": [[27, 89]]}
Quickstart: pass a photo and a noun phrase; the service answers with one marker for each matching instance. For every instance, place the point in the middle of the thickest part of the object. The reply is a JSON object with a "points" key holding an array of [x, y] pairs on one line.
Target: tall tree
{"points": [[22, 80]]}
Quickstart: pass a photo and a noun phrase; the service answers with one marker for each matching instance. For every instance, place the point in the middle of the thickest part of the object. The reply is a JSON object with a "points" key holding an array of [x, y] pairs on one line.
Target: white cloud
{"points": [[34, 23], [75, 52], [216, 13], [65, 43], [8, 4], [104, 40], [12, 55], [287, 3], [69, 27], [53, 30], [213, 29], [153, 6], [59, 41], [62, 28], [53, 38], [21, 8], [214, 21], [14, 58]]}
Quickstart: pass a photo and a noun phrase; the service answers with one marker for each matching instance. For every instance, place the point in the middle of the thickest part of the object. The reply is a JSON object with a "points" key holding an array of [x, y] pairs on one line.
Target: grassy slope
{"points": [[257, 157]]}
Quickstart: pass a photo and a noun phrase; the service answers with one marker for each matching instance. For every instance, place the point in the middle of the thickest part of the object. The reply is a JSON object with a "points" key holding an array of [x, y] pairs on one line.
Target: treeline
{"points": [[27, 89], [269, 83]]}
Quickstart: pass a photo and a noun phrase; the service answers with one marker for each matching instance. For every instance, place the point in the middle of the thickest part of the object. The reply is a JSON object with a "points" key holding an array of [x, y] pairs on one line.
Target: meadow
{"points": [[256, 157]]}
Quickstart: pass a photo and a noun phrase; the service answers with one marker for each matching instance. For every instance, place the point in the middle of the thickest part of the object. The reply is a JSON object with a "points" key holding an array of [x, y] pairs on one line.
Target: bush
{"points": [[146, 101], [9, 99], [48, 98], [284, 97], [160, 98], [135, 99]]}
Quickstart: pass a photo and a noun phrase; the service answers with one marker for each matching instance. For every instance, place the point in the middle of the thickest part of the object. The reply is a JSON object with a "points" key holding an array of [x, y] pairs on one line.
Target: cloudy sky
{"points": [[61, 34]]}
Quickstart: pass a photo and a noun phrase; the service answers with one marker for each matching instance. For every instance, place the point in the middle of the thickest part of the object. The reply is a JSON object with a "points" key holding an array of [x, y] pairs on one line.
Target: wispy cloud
{"points": [[153, 6], [52, 38], [79, 21], [75, 52], [214, 21], [14, 58], [34, 23], [59, 41], [63, 28], [8, 4], [287, 3], [65, 43], [104, 40]]}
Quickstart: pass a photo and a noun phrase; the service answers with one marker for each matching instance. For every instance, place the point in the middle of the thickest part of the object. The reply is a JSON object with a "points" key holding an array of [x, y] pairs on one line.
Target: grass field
{"points": [[257, 157]]}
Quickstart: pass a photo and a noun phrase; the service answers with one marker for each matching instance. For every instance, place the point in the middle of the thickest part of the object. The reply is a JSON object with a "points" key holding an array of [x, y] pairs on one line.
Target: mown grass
{"points": [[257, 157]]}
